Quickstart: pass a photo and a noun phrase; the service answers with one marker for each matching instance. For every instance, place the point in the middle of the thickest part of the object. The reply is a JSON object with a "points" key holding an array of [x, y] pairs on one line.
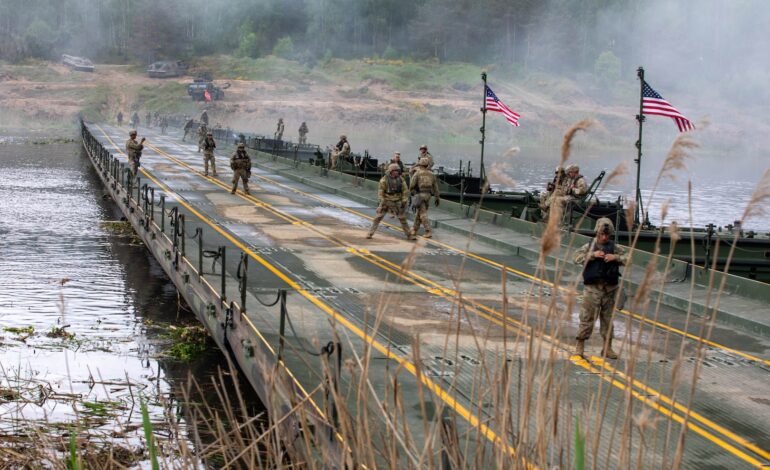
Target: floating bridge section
{"points": [[449, 352]]}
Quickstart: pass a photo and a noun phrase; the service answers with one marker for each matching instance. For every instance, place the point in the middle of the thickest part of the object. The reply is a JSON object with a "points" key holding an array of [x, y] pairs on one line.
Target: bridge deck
{"points": [[493, 349]]}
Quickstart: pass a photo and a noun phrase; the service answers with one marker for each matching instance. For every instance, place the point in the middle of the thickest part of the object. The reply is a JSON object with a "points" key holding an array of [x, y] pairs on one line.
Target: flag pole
{"points": [[639, 212], [482, 174]]}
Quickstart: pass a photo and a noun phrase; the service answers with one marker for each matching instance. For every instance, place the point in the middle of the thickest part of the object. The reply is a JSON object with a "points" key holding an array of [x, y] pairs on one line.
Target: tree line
{"points": [[610, 37]]}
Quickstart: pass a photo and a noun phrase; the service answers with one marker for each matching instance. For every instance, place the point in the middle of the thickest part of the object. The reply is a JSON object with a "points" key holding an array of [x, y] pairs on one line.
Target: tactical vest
{"points": [[597, 270], [391, 188], [425, 181], [209, 144]]}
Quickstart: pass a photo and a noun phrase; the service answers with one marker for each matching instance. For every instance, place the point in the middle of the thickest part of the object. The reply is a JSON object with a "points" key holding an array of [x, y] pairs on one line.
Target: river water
{"points": [[86, 313]]}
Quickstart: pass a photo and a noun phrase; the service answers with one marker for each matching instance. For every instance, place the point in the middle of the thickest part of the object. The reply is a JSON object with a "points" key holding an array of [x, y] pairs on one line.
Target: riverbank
{"points": [[385, 104]]}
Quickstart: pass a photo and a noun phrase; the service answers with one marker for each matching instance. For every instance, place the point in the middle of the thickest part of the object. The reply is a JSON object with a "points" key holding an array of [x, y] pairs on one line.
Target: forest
{"points": [[609, 38]]}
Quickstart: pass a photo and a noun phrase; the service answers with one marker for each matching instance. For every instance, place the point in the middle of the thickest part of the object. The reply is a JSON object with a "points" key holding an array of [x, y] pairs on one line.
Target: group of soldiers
{"points": [[393, 194], [156, 120], [601, 258], [280, 127], [568, 185]]}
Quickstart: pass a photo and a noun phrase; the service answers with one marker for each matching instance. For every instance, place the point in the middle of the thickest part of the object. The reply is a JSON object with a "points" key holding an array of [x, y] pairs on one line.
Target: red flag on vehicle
{"points": [[206, 95]]}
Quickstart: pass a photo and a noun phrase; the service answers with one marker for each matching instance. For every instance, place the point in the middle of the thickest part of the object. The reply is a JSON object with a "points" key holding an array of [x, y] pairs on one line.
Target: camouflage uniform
{"points": [[279, 129], [120, 118], [303, 133], [342, 149], [241, 165], [134, 153], [187, 128], [148, 119], [163, 124], [202, 131], [135, 120], [423, 185], [205, 118], [426, 155], [599, 296], [208, 155], [392, 194]]}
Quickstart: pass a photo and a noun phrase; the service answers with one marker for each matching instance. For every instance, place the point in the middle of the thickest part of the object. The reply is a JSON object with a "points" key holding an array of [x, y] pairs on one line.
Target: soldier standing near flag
{"points": [[422, 186], [240, 163], [208, 154], [392, 195], [279, 129], [601, 259], [134, 152], [303, 133]]}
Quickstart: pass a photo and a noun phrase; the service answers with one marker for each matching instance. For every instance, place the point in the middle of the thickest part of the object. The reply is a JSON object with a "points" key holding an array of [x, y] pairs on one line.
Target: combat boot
{"points": [[428, 234], [608, 352], [580, 348], [369, 235]]}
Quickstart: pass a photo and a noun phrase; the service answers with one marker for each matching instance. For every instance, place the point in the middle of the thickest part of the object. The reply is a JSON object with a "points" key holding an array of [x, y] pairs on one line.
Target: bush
{"points": [[390, 53], [248, 46], [284, 48]]}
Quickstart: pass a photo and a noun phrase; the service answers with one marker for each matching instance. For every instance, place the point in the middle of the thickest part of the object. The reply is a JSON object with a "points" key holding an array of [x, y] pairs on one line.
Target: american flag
{"points": [[493, 103], [653, 103]]}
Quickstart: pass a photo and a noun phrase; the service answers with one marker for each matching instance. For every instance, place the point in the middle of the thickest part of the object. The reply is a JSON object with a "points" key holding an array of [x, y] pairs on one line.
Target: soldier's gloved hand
{"points": [[436, 202]]}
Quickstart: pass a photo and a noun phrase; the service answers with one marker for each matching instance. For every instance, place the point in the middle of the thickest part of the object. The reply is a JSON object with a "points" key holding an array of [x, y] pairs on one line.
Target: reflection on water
{"points": [[82, 308]]}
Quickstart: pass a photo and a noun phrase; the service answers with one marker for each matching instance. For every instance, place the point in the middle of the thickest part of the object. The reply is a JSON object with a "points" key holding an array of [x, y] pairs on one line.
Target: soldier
{"points": [[397, 160], [576, 186], [163, 124], [303, 133], [148, 119], [134, 152], [554, 188], [205, 118], [120, 118], [279, 129], [135, 120], [208, 154], [392, 194], [241, 165], [342, 149], [187, 128], [201, 136], [156, 118], [422, 186], [601, 259], [423, 154]]}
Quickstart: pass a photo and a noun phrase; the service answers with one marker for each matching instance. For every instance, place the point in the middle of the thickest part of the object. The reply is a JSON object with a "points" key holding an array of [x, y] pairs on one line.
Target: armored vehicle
{"points": [[198, 88], [167, 69], [81, 64]]}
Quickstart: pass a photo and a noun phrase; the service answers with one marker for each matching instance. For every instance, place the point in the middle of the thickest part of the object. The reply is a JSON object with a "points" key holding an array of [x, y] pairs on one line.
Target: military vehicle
{"points": [[198, 88], [81, 64], [167, 69]]}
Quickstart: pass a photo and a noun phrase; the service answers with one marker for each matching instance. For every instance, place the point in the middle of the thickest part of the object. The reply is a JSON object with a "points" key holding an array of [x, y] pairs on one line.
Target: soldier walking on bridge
{"points": [[148, 119], [601, 259], [422, 186], [208, 154], [163, 124], [240, 162], [303, 133], [187, 128], [134, 152], [392, 194], [205, 118], [135, 120], [201, 136], [120, 118], [279, 129]]}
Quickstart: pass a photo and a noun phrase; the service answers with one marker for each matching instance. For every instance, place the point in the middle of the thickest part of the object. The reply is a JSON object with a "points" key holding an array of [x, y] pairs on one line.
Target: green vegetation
{"points": [[270, 68], [189, 341], [149, 438], [24, 330], [170, 97]]}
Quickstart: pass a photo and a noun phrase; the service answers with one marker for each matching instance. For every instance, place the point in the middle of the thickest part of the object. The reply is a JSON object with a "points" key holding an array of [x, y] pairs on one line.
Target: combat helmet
{"points": [[604, 225], [132, 132], [392, 167], [241, 146], [572, 168]]}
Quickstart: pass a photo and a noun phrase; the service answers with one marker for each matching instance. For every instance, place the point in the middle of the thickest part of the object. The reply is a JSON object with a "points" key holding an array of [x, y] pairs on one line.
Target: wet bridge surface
{"points": [[457, 328]]}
